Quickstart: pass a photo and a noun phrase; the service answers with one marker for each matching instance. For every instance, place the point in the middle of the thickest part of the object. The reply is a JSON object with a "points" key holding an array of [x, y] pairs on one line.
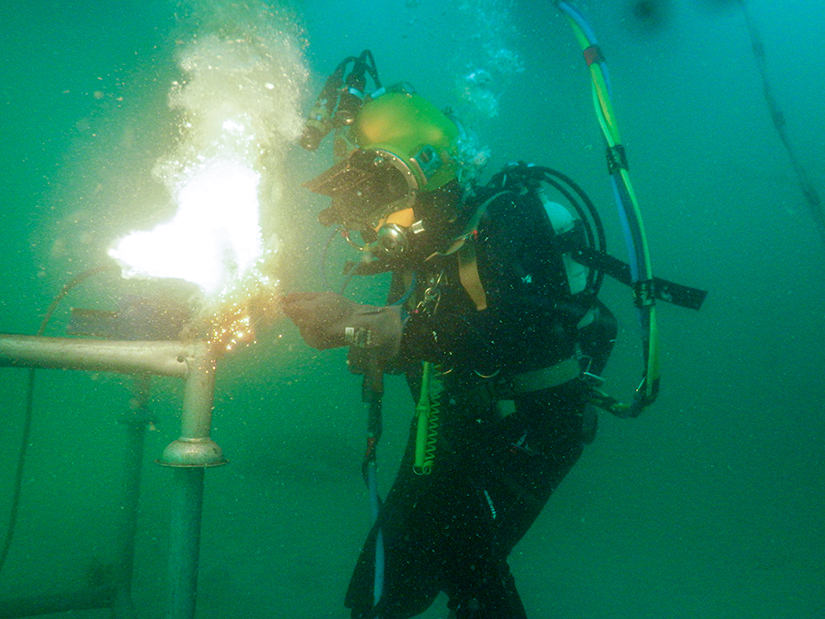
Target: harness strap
{"points": [[545, 378], [467, 261], [535, 380], [468, 274], [662, 289]]}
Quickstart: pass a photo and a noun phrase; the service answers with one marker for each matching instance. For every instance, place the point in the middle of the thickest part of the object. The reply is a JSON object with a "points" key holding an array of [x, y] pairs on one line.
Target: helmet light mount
{"points": [[340, 99]]}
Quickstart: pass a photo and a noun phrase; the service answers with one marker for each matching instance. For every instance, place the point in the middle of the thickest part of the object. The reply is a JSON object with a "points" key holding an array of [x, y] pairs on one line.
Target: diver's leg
{"points": [[525, 457], [410, 584], [479, 582]]}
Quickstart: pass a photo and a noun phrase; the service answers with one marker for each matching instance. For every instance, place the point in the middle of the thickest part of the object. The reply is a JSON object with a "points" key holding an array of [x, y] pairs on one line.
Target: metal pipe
{"points": [[198, 395], [185, 534], [189, 456], [87, 599], [135, 420], [161, 358], [195, 447]]}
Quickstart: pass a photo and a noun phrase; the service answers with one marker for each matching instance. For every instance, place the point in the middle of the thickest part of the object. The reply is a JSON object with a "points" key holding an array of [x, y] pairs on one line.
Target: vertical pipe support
{"points": [[135, 422], [189, 456], [195, 448]]}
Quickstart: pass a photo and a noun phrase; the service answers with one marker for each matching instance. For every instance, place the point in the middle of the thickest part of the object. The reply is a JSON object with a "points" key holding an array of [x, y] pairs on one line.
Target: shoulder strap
{"points": [[468, 274], [467, 260], [469, 229]]}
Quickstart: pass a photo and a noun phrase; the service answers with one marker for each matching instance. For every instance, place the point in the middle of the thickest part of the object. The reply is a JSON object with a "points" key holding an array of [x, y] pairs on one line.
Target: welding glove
{"points": [[328, 320]]}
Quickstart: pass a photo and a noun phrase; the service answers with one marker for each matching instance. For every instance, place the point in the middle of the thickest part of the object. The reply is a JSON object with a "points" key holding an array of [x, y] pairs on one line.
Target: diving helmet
{"points": [[398, 148]]}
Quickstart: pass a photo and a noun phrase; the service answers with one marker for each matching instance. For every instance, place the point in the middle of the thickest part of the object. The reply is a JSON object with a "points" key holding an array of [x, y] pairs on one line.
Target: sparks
{"points": [[238, 107]]}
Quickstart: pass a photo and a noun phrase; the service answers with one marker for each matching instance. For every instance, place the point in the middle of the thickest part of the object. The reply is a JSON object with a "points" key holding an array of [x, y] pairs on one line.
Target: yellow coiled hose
{"points": [[427, 412]]}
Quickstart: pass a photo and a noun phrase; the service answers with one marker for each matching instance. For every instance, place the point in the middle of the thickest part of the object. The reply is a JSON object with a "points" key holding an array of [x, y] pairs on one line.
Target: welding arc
{"points": [[779, 122]]}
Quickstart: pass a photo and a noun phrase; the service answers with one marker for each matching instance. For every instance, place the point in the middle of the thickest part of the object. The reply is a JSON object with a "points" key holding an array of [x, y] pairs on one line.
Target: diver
{"points": [[494, 328]]}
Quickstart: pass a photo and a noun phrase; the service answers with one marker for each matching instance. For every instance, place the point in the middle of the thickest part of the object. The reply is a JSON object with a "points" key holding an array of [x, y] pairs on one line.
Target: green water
{"points": [[709, 505]]}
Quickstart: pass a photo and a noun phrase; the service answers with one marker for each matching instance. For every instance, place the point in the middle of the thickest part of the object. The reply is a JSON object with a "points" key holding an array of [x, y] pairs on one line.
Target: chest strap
{"points": [[467, 262]]}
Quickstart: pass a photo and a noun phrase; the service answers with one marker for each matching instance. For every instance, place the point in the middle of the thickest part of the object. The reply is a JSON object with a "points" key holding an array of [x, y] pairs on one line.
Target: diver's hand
{"points": [[328, 320], [321, 317]]}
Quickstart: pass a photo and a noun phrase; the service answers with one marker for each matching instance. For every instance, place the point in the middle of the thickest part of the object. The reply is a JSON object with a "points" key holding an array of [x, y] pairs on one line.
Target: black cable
{"points": [[779, 122], [27, 421]]}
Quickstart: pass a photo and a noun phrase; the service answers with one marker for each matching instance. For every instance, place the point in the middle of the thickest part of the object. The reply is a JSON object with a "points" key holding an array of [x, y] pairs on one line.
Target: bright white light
{"points": [[239, 106], [233, 126], [214, 238]]}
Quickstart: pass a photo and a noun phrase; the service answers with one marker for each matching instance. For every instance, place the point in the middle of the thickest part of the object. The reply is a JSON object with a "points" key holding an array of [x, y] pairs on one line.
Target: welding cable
{"points": [[27, 418], [372, 393]]}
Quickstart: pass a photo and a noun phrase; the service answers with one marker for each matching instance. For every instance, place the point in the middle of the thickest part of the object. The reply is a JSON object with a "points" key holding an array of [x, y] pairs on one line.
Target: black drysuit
{"points": [[495, 468]]}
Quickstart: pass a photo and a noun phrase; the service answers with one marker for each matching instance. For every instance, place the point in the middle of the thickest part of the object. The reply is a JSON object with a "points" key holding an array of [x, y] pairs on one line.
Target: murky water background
{"points": [[709, 505]]}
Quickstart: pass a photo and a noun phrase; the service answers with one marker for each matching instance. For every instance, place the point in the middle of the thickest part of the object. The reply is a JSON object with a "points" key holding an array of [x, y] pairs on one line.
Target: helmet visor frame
{"points": [[366, 187]]}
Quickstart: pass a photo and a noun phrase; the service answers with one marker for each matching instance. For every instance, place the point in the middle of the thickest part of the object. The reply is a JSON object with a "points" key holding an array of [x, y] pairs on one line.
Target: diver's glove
{"points": [[328, 320]]}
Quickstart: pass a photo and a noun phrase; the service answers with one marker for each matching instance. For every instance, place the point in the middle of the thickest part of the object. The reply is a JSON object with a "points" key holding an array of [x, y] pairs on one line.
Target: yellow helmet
{"points": [[415, 131], [398, 146]]}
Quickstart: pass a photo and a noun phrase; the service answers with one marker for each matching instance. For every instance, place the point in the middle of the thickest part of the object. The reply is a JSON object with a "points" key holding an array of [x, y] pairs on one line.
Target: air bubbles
{"points": [[239, 101]]}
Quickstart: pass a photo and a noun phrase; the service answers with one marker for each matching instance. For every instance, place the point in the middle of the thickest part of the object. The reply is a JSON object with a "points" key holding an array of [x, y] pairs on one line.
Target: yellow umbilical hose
{"points": [[648, 388], [427, 412]]}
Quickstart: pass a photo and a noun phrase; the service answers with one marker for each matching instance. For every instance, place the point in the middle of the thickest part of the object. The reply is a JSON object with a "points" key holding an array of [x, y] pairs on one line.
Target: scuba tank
{"points": [[563, 222], [598, 327], [567, 222]]}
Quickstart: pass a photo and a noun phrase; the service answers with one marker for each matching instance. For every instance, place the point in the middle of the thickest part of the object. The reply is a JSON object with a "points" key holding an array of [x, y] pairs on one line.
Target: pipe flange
{"points": [[192, 452]]}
